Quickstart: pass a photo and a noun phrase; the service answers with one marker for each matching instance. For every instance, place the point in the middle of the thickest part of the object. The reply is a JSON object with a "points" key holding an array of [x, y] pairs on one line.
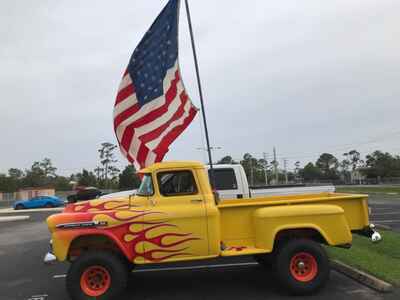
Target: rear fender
{"points": [[328, 220]]}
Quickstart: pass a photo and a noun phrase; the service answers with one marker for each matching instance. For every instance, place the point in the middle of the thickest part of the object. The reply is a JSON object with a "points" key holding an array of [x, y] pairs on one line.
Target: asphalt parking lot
{"points": [[24, 277], [385, 211]]}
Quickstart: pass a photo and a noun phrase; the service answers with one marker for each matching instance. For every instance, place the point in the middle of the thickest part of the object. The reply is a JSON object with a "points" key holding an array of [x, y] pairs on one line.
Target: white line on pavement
{"points": [[13, 218], [19, 211], [386, 213], [386, 221], [183, 268]]}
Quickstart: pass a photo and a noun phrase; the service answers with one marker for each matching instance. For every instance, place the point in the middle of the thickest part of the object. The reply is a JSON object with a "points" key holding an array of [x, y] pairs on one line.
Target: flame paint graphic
{"points": [[153, 241], [99, 205]]}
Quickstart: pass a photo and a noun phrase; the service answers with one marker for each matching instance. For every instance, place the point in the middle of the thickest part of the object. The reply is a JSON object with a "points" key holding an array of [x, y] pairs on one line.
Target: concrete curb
{"points": [[362, 277], [14, 218], [13, 211]]}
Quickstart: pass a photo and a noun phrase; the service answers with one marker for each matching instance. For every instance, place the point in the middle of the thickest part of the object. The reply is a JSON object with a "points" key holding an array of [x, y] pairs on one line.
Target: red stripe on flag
{"points": [[125, 115], [125, 93]]}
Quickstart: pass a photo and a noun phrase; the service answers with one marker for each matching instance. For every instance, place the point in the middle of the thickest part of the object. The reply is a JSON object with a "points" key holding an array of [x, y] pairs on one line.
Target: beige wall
{"points": [[27, 194]]}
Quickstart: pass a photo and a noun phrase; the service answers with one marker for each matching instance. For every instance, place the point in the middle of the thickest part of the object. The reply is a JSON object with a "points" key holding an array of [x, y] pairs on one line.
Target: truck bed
{"points": [[237, 215]]}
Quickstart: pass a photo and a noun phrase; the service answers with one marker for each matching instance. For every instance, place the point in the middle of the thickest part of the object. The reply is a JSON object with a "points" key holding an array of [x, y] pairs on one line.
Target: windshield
{"points": [[146, 187]]}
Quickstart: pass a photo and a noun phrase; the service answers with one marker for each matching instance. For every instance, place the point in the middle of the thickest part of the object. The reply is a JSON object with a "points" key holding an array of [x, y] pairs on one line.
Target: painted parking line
{"points": [[182, 268], [386, 213], [386, 221], [11, 210]]}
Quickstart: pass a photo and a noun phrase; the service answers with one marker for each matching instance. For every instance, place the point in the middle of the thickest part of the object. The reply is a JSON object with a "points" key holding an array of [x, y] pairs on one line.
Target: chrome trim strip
{"points": [[81, 224]]}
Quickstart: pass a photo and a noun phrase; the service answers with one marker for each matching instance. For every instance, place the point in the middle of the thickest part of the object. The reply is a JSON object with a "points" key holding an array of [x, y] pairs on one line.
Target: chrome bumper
{"points": [[50, 258]]}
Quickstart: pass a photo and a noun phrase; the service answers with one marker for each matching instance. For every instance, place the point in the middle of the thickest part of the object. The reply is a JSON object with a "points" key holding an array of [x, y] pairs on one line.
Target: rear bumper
{"points": [[370, 232]]}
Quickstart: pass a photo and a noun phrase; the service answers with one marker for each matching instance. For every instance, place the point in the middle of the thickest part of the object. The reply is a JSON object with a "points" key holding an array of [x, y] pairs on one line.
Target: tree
{"points": [[254, 169], [128, 179], [310, 172], [99, 172], [15, 173], [48, 169], [226, 160], [382, 164], [107, 159], [86, 178], [62, 183], [7, 184], [328, 164]]}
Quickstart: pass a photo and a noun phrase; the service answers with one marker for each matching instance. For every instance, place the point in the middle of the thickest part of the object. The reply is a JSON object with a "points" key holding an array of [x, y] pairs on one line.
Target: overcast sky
{"points": [[304, 76]]}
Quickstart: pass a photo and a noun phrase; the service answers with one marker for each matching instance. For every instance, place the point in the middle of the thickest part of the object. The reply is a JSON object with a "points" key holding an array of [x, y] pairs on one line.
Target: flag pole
{"points": [[200, 91]]}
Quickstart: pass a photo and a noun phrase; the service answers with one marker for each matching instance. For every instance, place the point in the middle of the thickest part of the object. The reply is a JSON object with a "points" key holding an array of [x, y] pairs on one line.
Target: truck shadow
{"points": [[250, 282]]}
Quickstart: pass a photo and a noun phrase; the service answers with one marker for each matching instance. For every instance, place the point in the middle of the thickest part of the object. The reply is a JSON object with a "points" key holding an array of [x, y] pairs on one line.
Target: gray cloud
{"points": [[304, 76]]}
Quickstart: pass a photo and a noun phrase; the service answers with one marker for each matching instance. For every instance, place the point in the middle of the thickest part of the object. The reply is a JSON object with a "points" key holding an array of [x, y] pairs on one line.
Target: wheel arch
{"points": [[96, 241]]}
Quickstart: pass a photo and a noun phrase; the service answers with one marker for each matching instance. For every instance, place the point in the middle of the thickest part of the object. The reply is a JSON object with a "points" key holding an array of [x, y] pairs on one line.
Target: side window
{"points": [[175, 183], [225, 179]]}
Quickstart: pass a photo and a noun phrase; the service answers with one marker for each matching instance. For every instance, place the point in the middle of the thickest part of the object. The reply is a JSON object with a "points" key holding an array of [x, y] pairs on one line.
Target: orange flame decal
{"points": [[153, 241]]}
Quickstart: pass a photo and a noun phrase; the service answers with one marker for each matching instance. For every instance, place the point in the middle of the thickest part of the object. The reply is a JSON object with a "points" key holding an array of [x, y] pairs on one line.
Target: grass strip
{"points": [[381, 260]]}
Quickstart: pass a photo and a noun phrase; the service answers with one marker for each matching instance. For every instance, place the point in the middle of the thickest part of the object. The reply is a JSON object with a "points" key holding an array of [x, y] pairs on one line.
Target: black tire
{"points": [[293, 278], [19, 207], [114, 265]]}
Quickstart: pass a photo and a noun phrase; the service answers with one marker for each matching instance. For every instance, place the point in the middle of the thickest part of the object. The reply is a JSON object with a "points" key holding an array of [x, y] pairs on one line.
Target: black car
{"points": [[84, 194]]}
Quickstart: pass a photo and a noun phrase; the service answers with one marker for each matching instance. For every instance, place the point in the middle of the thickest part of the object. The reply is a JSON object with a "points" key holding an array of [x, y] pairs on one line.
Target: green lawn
{"points": [[369, 189], [381, 259]]}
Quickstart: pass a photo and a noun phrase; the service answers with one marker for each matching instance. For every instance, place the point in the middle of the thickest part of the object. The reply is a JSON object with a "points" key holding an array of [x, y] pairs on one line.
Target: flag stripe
{"points": [[125, 93]]}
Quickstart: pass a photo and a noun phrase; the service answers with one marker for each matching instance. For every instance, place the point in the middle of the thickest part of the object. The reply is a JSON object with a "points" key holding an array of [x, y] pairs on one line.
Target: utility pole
{"points": [[276, 167], [285, 168], [265, 155]]}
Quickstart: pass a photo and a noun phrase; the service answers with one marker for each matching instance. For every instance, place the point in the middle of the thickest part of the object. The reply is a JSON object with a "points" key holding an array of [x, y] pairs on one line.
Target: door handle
{"points": [[196, 200]]}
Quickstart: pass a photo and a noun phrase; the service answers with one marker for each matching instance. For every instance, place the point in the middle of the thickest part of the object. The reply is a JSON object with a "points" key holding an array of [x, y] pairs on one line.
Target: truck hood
{"points": [[97, 205]]}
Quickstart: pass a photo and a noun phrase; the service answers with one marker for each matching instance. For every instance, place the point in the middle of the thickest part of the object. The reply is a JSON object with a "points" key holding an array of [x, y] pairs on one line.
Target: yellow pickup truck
{"points": [[175, 216]]}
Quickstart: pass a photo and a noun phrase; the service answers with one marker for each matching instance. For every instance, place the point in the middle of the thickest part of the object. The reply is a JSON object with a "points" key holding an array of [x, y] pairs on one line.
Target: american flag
{"points": [[152, 108]]}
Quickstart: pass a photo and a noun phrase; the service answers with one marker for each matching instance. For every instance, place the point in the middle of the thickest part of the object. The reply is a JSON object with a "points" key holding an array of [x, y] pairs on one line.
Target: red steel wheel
{"points": [[303, 267], [95, 281]]}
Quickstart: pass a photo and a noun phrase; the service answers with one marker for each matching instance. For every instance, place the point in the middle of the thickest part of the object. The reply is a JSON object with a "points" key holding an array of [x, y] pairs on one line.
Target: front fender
{"points": [[328, 220]]}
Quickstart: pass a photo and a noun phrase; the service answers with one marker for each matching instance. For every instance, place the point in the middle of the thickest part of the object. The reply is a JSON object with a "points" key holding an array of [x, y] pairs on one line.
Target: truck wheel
{"points": [[302, 266], [96, 275]]}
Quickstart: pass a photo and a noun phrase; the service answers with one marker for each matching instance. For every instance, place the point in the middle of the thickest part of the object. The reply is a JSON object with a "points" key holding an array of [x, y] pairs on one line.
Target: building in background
{"points": [[28, 193]]}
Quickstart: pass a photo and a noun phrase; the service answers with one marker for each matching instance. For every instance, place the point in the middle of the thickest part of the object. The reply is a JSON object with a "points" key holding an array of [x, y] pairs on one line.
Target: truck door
{"points": [[176, 225]]}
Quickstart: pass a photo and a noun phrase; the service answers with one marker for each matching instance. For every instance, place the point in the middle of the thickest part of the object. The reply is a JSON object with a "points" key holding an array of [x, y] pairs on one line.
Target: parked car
{"points": [[84, 194], [39, 202]]}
